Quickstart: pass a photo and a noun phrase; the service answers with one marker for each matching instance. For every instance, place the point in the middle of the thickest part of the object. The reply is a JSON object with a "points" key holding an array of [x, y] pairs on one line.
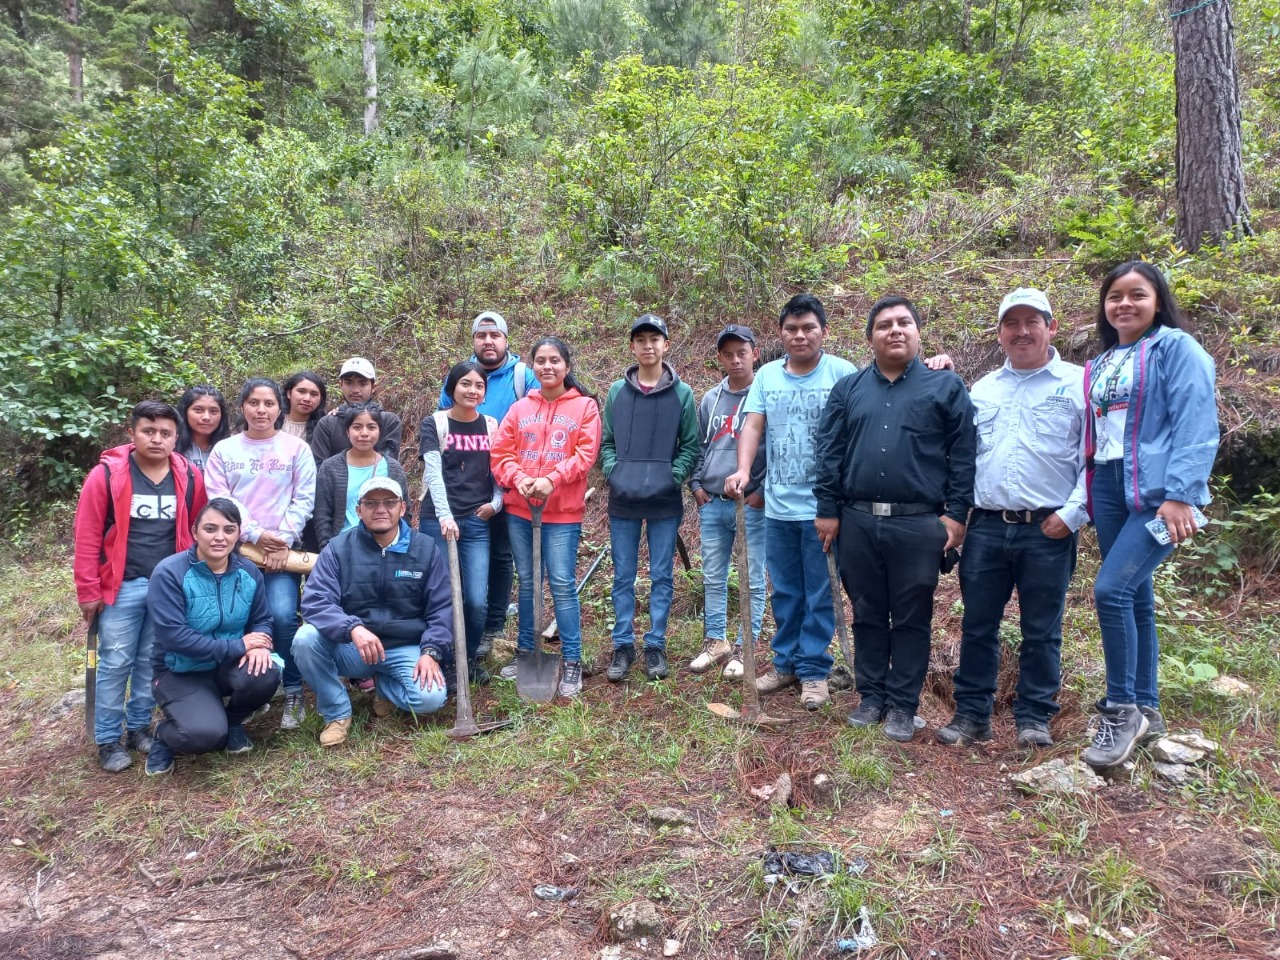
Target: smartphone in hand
{"points": [[1160, 530]]}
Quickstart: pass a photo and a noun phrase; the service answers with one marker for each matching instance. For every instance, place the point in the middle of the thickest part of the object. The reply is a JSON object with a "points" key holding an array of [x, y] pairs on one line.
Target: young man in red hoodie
{"points": [[136, 508]]}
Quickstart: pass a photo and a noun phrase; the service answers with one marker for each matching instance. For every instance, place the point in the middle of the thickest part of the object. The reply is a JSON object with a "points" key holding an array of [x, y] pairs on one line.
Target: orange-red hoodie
{"points": [[557, 438]]}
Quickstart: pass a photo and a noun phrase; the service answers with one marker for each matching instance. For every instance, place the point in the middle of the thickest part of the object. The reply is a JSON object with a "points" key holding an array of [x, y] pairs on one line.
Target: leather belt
{"points": [[892, 509], [1018, 516]]}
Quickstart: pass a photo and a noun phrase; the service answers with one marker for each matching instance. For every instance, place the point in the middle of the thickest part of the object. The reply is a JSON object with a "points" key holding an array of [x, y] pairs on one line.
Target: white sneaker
{"points": [[295, 712], [733, 670], [714, 650], [571, 680]]}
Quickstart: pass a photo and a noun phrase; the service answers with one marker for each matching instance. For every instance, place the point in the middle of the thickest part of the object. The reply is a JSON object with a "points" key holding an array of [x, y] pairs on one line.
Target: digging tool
{"points": [[750, 712], [537, 674], [464, 724], [683, 551], [553, 629], [91, 676], [837, 602]]}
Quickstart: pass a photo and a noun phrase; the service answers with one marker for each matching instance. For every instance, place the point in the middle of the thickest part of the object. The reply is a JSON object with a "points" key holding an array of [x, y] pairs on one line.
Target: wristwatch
{"points": [[434, 654]]}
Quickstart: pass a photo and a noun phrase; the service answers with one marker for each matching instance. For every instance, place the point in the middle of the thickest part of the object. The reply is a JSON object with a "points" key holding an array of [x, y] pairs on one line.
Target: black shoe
{"points": [[900, 725], [1119, 731], [139, 740], [869, 712], [623, 657], [655, 663], [485, 646], [477, 674], [114, 757], [1034, 733], [964, 730]]}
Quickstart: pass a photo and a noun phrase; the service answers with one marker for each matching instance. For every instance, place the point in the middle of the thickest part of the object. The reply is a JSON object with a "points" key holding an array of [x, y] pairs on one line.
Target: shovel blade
{"points": [[538, 676], [726, 712]]}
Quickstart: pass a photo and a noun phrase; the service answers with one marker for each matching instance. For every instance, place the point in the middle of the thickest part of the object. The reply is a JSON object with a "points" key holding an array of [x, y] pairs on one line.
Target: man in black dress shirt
{"points": [[896, 452]]}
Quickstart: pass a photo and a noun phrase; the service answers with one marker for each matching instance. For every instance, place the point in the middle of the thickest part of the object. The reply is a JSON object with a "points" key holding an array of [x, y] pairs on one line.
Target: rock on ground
{"points": [[670, 817], [1166, 750], [70, 701], [1058, 777], [1229, 687], [1175, 773], [635, 920]]}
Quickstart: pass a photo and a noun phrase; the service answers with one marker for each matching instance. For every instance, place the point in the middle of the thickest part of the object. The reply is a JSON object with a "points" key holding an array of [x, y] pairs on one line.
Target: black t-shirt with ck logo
{"points": [[152, 517]]}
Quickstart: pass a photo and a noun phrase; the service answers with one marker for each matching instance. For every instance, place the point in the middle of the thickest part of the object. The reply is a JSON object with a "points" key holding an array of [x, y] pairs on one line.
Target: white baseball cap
{"points": [[1026, 297], [360, 367], [379, 483]]}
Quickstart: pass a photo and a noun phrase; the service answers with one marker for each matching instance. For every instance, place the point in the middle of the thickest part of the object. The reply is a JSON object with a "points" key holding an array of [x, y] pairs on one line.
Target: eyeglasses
{"points": [[376, 505]]}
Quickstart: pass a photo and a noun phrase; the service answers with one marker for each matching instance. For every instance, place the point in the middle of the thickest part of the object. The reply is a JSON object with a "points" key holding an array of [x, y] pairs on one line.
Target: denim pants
{"points": [[998, 557], [282, 601], [889, 566], [324, 664], [801, 599], [195, 721], [559, 563], [1123, 592], [717, 519], [125, 637], [473, 564], [501, 574], [624, 549]]}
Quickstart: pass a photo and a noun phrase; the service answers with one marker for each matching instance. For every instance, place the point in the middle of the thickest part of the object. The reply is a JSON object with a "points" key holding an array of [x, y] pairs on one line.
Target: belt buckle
{"points": [[1015, 516], [881, 509]]}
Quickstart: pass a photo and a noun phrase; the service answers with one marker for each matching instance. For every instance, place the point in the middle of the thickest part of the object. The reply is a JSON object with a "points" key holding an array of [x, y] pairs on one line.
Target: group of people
{"points": [[894, 468]]}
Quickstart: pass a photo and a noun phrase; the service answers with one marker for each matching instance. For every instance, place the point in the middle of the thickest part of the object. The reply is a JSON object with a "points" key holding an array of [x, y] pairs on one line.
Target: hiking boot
{"points": [[655, 663], [570, 679], [335, 732], [382, 707], [869, 712], [773, 681], [1034, 733], [485, 647], [734, 669], [139, 740], [1119, 730], [295, 711], [114, 756], [900, 725], [509, 671], [963, 730], [714, 650], [237, 740], [814, 694], [159, 760], [1156, 726], [623, 657]]}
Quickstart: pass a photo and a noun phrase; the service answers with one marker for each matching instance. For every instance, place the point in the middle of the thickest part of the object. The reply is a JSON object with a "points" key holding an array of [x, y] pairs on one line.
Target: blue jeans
{"points": [[998, 557], [282, 601], [801, 599], [501, 567], [624, 548], [125, 637], [473, 564], [718, 521], [559, 561], [324, 664], [1123, 593]]}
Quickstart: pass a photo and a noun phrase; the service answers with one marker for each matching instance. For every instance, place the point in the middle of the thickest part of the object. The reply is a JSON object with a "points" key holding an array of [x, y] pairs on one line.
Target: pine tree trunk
{"points": [[369, 22], [1210, 169], [75, 59]]}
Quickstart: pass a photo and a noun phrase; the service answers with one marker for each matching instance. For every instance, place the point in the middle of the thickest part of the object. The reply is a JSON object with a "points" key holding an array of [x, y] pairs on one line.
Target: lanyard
{"points": [[1109, 401]]}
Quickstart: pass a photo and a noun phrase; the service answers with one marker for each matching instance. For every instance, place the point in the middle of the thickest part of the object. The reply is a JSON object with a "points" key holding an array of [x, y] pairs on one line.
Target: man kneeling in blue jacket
{"points": [[377, 604]]}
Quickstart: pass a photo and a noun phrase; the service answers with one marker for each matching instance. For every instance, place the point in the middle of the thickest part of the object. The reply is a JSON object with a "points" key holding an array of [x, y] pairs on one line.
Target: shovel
{"points": [[837, 601], [91, 676], [464, 724], [750, 713], [538, 673]]}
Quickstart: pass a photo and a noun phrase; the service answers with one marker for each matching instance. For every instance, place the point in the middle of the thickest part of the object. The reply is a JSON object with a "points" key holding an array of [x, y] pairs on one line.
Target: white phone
{"points": [[1160, 530]]}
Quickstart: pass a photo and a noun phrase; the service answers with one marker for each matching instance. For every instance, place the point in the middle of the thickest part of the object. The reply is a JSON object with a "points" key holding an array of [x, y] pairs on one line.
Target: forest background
{"points": [[202, 190]]}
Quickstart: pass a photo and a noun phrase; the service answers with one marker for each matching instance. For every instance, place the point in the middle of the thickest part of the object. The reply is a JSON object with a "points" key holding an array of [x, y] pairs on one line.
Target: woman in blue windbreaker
{"points": [[213, 640], [1150, 443]]}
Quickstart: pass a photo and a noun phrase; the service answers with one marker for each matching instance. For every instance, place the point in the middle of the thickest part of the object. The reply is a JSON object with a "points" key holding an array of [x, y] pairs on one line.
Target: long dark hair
{"points": [[352, 410], [1167, 312], [562, 348], [322, 407], [460, 370], [190, 396], [250, 385]]}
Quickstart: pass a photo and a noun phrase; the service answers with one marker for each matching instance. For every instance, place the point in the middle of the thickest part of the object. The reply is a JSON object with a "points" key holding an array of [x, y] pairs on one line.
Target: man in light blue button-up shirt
{"points": [[1029, 503]]}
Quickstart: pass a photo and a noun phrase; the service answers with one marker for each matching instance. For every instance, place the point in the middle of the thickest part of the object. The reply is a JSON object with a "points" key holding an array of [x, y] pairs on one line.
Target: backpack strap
{"points": [[492, 424], [521, 372], [441, 418]]}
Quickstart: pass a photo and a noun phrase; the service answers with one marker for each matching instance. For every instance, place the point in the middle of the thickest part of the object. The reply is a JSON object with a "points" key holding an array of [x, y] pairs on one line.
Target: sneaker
{"points": [[900, 725], [963, 730], [335, 732], [382, 707], [734, 669], [869, 712], [114, 756], [814, 693], [295, 711], [509, 671], [1119, 730], [714, 650], [1156, 727], [139, 740], [1034, 733], [655, 663], [159, 760], [571, 679], [485, 647], [237, 740], [623, 657], [773, 681]]}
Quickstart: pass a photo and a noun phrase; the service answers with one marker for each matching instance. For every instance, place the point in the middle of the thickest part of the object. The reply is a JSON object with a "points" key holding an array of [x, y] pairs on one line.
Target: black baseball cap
{"points": [[735, 331], [650, 323]]}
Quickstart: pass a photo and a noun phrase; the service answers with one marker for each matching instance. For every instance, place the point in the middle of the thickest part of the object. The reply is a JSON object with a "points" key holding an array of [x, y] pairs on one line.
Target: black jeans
{"points": [[195, 721], [889, 567], [501, 576], [998, 557]]}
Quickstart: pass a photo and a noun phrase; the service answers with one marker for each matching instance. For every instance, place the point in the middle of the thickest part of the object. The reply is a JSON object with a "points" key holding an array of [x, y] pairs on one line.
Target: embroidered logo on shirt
{"points": [[150, 506], [408, 574]]}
